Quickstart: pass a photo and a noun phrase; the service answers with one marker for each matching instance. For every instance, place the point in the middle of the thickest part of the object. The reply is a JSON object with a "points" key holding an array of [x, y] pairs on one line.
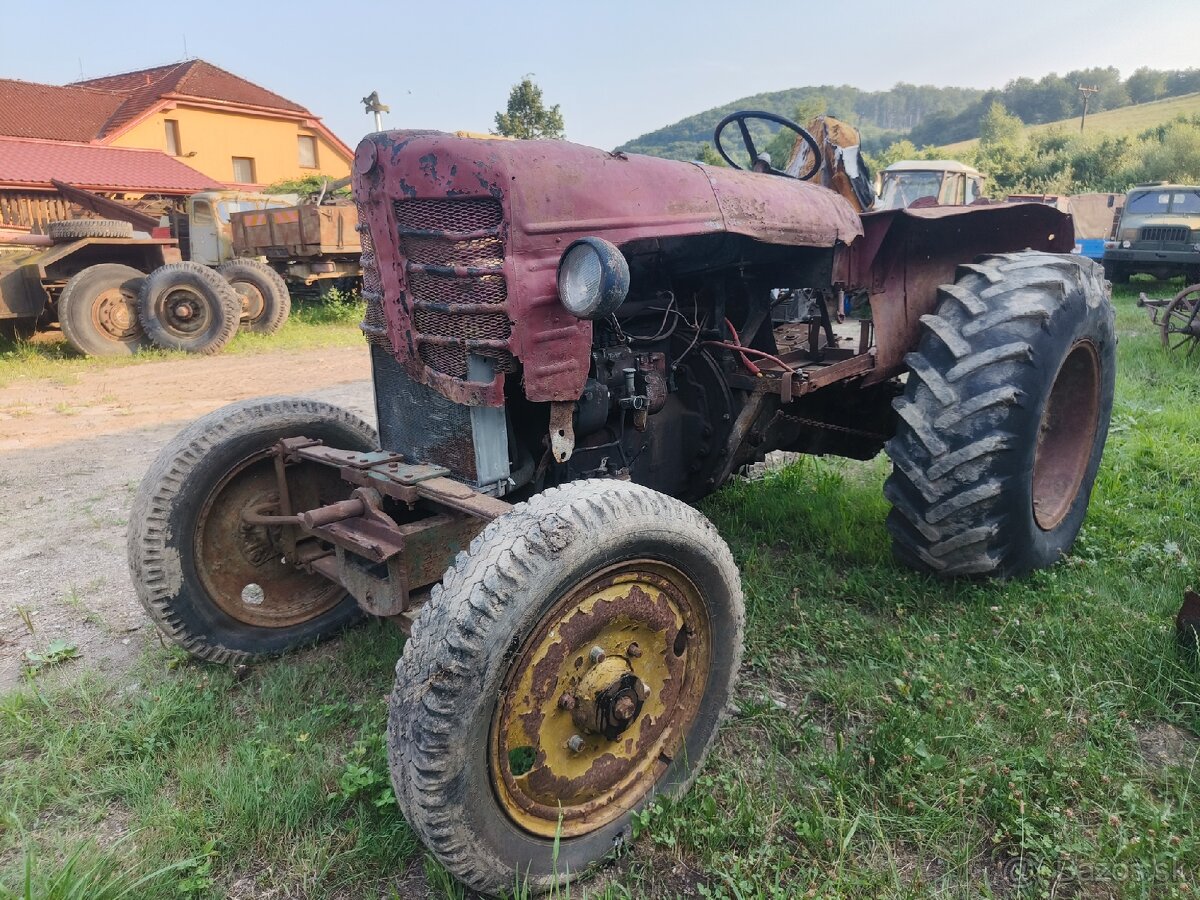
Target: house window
{"points": [[243, 170], [308, 151], [173, 137]]}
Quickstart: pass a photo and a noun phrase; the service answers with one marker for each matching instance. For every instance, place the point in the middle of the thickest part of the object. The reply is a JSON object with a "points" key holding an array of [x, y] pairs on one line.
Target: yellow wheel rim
{"points": [[599, 699]]}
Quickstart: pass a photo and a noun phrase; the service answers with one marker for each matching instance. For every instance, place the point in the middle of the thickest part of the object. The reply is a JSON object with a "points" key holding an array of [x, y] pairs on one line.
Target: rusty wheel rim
{"points": [[185, 311], [253, 301], [1181, 321], [241, 566], [1066, 435], [584, 734], [114, 315]]}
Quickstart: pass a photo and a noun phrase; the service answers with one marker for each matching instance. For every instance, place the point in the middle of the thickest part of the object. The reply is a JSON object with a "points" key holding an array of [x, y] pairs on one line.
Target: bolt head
{"points": [[575, 743], [597, 655], [624, 709], [634, 650]]}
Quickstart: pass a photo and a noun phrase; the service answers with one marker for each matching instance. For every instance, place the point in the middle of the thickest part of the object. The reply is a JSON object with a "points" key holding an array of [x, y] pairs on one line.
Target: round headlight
{"points": [[1125, 245], [593, 278]]}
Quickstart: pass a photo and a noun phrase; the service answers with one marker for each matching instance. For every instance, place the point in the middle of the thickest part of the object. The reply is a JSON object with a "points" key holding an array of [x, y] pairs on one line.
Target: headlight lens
{"points": [[1125, 245], [593, 278]]}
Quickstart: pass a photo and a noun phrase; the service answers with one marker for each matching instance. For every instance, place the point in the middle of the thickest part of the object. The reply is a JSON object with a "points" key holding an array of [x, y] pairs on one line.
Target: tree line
{"points": [[1061, 161], [1055, 97]]}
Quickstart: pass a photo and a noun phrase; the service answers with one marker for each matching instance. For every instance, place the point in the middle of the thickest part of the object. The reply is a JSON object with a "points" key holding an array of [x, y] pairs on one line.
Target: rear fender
{"points": [[906, 254]]}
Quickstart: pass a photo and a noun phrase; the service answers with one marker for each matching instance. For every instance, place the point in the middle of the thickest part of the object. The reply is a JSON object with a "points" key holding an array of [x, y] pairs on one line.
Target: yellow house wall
{"points": [[216, 137]]}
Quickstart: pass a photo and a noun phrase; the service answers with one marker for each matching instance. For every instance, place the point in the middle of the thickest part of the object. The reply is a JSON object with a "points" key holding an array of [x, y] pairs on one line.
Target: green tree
{"points": [[1176, 158], [527, 116], [710, 157], [1146, 84]]}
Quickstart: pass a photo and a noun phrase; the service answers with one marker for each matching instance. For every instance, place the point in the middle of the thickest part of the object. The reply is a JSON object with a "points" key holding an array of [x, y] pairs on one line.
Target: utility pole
{"points": [[1087, 94], [371, 102]]}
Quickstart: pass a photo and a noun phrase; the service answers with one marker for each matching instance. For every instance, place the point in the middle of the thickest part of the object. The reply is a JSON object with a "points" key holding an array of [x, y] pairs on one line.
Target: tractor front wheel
{"points": [[219, 586], [1004, 417], [574, 662]]}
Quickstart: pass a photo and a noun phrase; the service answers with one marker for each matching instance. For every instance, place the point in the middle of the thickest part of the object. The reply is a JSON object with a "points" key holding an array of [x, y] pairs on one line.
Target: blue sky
{"points": [[617, 68]]}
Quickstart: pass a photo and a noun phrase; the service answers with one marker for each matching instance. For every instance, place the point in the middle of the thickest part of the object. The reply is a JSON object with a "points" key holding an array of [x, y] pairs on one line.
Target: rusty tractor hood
{"points": [[549, 193]]}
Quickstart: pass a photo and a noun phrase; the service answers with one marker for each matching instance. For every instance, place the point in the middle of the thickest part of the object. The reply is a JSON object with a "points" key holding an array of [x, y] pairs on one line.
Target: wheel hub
{"points": [[599, 698], [113, 315], [186, 312], [242, 565]]}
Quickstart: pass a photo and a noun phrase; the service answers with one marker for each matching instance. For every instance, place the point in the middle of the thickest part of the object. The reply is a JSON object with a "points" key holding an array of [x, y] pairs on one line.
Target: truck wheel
{"points": [[266, 302], [187, 306], [575, 661], [1004, 418], [97, 310], [213, 584], [1116, 273], [76, 229]]}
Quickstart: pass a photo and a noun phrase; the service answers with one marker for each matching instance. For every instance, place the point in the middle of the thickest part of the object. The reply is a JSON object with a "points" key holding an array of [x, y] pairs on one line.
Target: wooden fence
{"points": [[33, 209]]}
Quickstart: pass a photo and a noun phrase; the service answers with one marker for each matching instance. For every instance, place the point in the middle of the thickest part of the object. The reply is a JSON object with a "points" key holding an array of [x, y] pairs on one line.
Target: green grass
{"points": [[327, 321], [1129, 120], [895, 735]]}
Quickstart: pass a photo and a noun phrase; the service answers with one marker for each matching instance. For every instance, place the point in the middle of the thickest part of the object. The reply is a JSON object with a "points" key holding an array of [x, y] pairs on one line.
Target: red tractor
{"points": [[568, 346]]}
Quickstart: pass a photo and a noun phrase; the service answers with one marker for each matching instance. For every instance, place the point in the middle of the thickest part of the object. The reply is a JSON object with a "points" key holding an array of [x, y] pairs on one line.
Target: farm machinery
{"points": [[569, 345], [1177, 319]]}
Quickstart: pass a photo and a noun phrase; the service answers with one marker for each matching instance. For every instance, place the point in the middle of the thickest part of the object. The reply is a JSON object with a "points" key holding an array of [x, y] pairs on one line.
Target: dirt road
{"points": [[71, 457]]}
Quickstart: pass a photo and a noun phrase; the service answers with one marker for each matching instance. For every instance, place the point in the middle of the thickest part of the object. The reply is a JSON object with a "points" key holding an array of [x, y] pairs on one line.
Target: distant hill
{"points": [[1125, 120], [880, 116]]}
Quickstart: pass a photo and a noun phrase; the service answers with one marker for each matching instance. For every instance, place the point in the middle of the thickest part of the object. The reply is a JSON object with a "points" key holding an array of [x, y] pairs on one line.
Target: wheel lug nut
{"points": [[575, 743], [634, 650], [597, 655], [566, 701]]}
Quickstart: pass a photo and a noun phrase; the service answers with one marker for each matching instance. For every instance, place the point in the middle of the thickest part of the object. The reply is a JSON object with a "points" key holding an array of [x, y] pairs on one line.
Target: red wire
{"points": [[755, 370]]}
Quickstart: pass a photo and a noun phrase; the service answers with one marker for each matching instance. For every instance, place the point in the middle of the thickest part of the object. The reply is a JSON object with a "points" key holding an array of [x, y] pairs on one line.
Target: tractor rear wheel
{"points": [[574, 662], [266, 302], [98, 311], [187, 306], [1004, 417], [216, 585]]}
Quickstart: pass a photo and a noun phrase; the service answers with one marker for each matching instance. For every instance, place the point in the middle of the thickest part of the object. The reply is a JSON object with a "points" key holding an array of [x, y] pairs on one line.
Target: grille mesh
{"points": [[429, 291], [449, 215], [481, 253], [1166, 234], [441, 289], [374, 323]]}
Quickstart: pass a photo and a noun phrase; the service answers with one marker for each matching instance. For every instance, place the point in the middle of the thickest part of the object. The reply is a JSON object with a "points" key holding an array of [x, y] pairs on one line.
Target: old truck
{"points": [[1158, 234], [933, 182], [85, 274], [568, 345]]}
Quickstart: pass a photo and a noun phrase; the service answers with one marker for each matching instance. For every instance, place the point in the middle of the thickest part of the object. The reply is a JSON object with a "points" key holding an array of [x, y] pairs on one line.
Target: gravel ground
{"points": [[71, 458]]}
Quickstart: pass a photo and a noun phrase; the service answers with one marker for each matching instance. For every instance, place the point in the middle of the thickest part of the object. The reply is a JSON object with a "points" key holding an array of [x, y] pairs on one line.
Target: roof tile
{"points": [[96, 167], [54, 113]]}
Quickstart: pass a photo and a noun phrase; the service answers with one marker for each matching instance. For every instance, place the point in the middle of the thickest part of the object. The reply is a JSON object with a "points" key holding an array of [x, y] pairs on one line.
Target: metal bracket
{"points": [[562, 429]]}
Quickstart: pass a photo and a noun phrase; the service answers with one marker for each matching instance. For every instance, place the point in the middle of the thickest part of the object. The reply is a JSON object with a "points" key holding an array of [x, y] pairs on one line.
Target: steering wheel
{"points": [[741, 116]]}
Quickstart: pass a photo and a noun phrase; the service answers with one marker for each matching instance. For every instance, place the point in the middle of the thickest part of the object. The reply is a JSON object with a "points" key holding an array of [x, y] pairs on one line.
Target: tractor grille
{"points": [[1167, 234], [453, 253], [374, 323]]}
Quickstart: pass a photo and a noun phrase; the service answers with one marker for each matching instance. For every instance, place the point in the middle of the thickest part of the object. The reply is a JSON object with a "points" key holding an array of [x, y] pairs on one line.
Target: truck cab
{"points": [[205, 231], [933, 182], [1158, 234]]}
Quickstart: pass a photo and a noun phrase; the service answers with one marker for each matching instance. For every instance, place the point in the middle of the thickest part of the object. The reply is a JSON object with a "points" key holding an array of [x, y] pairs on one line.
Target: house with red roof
{"points": [[168, 131]]}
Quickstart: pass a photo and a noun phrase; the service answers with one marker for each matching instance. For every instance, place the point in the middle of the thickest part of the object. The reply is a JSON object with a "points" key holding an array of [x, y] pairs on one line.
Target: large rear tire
{"points": [[187, 306], [266, 302], [574, 662], [213, 584], [97, 310], [1004, 417]]}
